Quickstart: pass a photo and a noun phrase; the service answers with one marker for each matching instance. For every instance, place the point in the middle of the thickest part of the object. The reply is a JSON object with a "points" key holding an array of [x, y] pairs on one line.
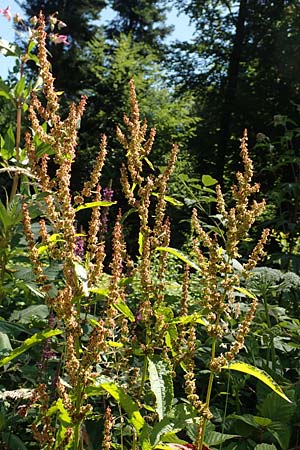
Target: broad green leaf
{"points": [[161, 384], [13, 442], [164, 427], [5, 344], [129, 406], [276, 408], [281, 432], [259, 374], [179, 255], [28, 343], [64, 421], [124, 309], [12, 329], [94, 205], [213, 438], [25, 315], [207, 180], [265, 447]]}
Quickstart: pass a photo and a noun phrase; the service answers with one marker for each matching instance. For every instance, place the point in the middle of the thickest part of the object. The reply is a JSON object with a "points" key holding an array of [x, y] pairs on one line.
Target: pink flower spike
{"points": [[60, 39], [6, 13]]}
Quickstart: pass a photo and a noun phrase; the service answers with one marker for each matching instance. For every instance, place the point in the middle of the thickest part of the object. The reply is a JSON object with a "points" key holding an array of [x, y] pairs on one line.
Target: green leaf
{"points": [[245, 292], [207, 180], [161, 384], [169, 199], [5, 344], [9, 143], [281, 432], [33, 340], [179, 255], [19, 88], [4, 90], [141, 242], [191, 318], [13, 442], [94, 205], [34, 289], [124, 309], [213, 438], [149, 163], [115, 344], [129, 406], [259, 374], [64, 421], [265, 447], [276, 408], [25, 315]]}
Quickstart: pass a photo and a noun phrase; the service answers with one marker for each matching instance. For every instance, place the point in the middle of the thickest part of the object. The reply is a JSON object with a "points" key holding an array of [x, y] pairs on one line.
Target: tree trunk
{"points": [[230, 91]]}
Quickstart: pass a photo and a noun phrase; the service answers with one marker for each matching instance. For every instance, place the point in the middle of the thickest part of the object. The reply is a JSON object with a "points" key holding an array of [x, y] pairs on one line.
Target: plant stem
{"points": [[208, 396], [271, 342], [18, 140]]}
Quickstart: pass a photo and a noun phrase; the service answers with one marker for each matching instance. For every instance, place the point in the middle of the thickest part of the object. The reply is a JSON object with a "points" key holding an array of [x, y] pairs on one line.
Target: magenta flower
{"points": [[6, 13], [60, 39]]}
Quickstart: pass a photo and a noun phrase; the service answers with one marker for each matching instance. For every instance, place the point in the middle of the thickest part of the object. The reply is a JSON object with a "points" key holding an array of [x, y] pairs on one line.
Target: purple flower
{"points": [[79, 246], [59, 39]]}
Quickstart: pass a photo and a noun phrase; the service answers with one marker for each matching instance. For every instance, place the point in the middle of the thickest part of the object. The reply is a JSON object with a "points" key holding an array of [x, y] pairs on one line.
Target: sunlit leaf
{"points": [[125, 310], [94, 205], [161, 384], [259, 374], [179, 255], [28, 343], [129, 406], [207, 180]]}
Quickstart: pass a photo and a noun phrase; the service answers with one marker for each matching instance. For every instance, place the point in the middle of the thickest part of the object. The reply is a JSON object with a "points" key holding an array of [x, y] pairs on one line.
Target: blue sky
{"points": [[183, 30]]}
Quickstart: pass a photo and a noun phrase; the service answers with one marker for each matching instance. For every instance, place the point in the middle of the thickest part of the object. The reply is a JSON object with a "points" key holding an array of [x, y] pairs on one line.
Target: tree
{"points": [[80, 17], [245, 63], [143, 19]]}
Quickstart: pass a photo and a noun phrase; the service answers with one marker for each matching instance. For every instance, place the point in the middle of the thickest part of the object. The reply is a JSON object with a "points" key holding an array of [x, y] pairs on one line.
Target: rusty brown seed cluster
{"points": [[83, 359]]}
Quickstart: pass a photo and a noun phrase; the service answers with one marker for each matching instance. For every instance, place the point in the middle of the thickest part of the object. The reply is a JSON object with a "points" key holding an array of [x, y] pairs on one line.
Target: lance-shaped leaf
{"points": [[259, 374], [126, 402], [179, 255], [161, 384], [37, 338], [94, 205]]}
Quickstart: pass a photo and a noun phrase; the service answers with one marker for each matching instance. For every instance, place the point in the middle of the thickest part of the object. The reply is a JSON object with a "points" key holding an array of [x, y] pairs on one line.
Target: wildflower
{"points": [[61, 24], [79, 246], [17, 18], [6, 13], [59, 39]]}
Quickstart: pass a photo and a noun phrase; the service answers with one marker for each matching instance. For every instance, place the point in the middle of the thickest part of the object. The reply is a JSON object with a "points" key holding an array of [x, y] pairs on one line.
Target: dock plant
{"points": [[116, 349]]}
